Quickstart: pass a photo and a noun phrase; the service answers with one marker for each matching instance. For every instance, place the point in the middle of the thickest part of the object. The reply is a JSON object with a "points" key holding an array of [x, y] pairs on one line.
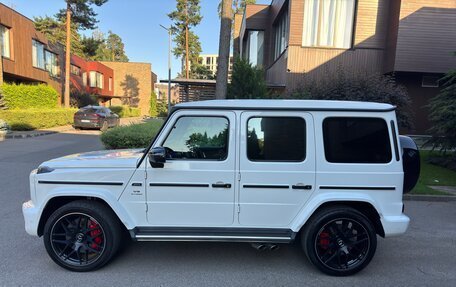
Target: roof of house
{"points": [[309, 105]]}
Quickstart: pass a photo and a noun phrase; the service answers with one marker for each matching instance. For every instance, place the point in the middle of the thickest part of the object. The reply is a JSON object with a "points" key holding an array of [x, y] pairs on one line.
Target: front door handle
{"points": [[301, 186], [221, 185]]}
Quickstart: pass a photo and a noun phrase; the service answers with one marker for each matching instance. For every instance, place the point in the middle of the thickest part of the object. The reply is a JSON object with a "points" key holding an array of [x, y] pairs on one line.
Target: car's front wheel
{"points": [[339, 241], [82, 235]]}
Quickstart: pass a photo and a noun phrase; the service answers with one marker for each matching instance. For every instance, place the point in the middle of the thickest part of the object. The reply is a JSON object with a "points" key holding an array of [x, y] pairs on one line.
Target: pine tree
{"points": [[186, 16]]}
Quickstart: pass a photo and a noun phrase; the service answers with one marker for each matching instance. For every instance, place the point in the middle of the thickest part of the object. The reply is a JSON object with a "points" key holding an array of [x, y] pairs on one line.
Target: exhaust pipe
{"points": [[259, 246], [273, 247]]}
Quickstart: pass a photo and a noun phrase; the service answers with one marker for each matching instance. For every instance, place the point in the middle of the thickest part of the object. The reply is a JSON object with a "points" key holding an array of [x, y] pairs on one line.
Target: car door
{"points": [[196, 186], [277, 167]]}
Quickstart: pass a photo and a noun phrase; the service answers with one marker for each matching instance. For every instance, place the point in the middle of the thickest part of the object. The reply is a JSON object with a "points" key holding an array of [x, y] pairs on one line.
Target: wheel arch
{"points": [[364, 207], [58, 201]]}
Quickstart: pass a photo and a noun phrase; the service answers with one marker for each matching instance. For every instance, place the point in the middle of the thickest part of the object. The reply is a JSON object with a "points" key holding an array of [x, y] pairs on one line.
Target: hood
{"points": [[98, 159]]}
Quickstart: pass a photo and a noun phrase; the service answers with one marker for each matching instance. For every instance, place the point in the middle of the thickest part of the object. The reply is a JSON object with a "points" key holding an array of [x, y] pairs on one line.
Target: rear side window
{"points": [[356, 140], [276, 139]]}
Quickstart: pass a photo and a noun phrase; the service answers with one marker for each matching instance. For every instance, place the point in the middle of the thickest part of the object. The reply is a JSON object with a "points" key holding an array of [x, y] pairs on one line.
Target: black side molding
{"points": [[266, 186], [179, 184], [80, 182], [359, 187]]}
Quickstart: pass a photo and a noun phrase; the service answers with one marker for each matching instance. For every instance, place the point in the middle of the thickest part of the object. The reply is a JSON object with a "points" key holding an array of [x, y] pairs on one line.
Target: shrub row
{"points": [[30, 119], [126, 111], [29, 96], [132, 136]]}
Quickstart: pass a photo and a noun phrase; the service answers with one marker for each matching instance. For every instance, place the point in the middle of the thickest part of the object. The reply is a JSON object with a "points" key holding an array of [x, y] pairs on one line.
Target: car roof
{"points": [[282, 104]]}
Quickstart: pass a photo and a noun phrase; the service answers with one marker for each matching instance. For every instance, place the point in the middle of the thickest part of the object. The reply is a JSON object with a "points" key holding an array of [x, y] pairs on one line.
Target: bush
{"points": [[29, 96], [79, 100], [132, 136], [125, 111], [247, 82], [443, 115], [153, 105], [162, 108], [30, 119], [368, 87]]}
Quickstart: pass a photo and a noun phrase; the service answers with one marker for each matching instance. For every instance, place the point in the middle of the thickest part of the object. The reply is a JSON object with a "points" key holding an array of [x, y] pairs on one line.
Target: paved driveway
{"points": [[425, 256]]}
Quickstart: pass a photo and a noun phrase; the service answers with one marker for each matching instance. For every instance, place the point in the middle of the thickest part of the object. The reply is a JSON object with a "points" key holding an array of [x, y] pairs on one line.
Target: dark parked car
{"points": [[95, 117]]}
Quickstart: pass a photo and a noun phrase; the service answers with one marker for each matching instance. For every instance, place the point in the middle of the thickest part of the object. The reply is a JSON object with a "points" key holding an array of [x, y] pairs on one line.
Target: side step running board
{"points": [[213, 234]]}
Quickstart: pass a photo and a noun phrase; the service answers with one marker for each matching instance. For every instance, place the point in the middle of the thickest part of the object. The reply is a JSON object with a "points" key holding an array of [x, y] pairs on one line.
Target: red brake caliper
{"points": [[95, 234], [324, 240]]}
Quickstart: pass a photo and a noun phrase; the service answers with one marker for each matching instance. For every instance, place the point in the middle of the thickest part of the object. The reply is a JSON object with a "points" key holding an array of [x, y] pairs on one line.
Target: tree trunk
{"points": [[66, 97], [224, 50], [186, 40]]}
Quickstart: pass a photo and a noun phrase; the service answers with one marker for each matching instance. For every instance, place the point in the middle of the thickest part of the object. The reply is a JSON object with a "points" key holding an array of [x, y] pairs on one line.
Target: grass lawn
{"points": [[433, 175]]}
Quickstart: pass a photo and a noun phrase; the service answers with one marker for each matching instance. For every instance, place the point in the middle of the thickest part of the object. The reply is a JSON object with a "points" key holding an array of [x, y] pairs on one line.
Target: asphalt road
{"points": [[424, 256]]}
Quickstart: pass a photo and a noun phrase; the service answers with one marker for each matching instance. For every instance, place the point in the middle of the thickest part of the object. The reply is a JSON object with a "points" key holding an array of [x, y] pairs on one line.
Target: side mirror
{"points": [[157, 157]]}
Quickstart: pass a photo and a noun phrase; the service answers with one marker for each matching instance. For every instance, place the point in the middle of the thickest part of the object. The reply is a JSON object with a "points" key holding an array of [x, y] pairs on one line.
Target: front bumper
{"points": [[395, 225], [31, 217]]}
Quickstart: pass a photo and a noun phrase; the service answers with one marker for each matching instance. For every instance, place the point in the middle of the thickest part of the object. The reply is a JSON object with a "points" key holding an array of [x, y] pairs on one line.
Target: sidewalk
{"points": [[61, 129]]}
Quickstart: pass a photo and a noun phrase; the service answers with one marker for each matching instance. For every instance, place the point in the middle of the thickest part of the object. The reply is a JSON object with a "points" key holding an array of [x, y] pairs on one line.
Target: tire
{"points": [[105, 126], [339, 241], [82, 235]]}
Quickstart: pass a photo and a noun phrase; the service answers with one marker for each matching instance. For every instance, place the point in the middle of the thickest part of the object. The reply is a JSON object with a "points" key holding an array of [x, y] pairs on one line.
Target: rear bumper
{"points": [[31, 217], [395, 225], [91, 125]]}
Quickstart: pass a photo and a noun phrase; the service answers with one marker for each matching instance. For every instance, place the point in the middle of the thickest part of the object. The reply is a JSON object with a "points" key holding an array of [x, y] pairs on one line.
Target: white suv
{"points": [[330, 173]]}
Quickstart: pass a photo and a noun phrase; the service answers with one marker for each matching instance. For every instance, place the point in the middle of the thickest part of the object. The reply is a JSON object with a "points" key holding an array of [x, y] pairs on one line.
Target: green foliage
{"points": [[162, 108], [198, 71], [247, 82], [153, 112], [55, 32], [367, 87], [81, 12], [90, 46], [101, 48], [31, 119], [443, 115], [79, 100], [198, 140], [238, 6], [125, 111], [187, 13], [132, 136], [23, 96]]}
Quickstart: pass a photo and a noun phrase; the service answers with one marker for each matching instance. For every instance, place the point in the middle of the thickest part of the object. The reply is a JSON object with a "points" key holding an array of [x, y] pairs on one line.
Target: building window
{"points": [[255, 44], [96, 79], [198, 138], [276, 139], [281, 34], [84, 79], [51, 63], [328, 23], [356, 140], [5, 41], [75, 70], [430, 82], [110, 84], [37, 54]]}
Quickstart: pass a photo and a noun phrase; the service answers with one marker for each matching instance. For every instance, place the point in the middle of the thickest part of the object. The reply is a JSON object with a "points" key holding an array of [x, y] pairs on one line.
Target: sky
{"points": [[137, 23]]}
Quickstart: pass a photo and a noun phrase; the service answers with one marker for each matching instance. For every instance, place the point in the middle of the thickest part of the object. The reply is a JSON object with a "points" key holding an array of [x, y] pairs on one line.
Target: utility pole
{"points": [[169, 67], [186, 40], [224, 50], [66, 96]]}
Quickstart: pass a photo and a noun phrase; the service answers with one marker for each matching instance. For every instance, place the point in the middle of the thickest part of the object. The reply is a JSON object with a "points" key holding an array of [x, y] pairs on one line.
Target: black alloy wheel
{"points": [[339, 241], [82, 235]]}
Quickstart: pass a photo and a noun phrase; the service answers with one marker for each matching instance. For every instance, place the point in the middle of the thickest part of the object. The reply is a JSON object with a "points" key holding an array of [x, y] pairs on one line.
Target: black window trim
{"points": [[277, 161], [357, 163], [197, 116]]}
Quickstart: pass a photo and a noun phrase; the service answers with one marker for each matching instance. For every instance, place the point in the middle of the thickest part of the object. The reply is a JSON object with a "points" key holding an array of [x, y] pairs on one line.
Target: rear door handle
{"points": [[136, 184], [221, 185], [301, 186]]}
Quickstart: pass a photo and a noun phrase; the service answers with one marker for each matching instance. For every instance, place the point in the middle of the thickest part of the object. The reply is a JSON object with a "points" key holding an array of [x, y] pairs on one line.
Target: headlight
{"points": [[44, 169]]}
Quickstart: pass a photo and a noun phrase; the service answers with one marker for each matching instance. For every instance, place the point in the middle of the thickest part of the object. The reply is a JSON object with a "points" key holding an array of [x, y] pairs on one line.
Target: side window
{"points": [[356, 140], [276, 139], [199, 137]]}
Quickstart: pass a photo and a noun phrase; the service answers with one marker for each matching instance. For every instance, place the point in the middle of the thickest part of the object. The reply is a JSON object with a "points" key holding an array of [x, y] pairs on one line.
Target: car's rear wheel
{"points": [[82, 235], [339, 241]]}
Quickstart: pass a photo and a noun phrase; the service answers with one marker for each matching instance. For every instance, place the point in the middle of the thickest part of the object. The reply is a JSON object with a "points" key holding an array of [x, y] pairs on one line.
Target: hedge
{"points": [[30, 119], [126, 111], [23, 96], [132, 136]]}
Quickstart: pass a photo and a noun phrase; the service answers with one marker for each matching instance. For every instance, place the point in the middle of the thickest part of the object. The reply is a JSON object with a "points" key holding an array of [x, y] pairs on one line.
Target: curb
{"points": [[435, 198], [23, 136]]}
